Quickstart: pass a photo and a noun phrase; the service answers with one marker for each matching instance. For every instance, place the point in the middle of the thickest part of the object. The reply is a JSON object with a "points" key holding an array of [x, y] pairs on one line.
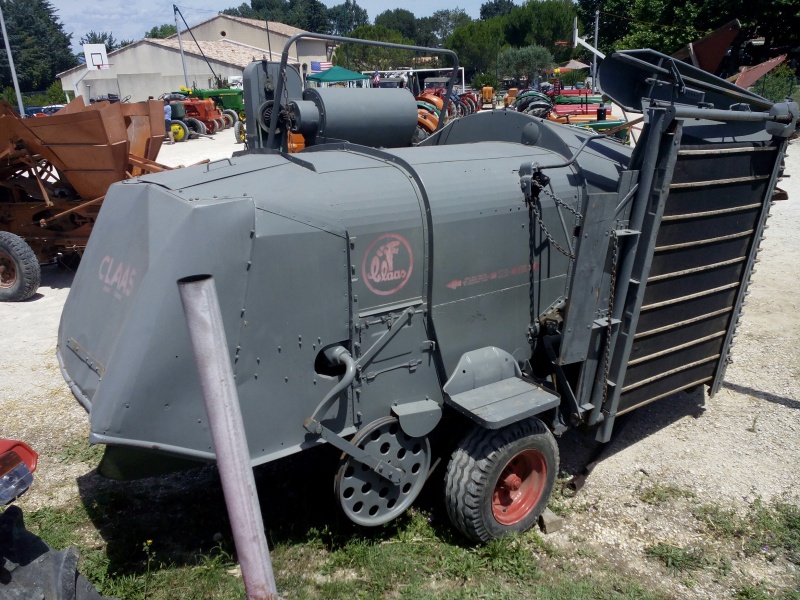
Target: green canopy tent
{"points": [[336, 75]]}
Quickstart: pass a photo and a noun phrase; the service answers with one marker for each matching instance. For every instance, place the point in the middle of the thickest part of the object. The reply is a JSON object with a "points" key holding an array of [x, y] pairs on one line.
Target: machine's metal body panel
{"points": [[620, 275]]}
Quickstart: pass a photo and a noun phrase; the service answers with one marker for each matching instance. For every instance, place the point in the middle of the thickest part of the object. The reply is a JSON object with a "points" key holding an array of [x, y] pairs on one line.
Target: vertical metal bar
{"points": [[204, 319], [594, 56], [11, 65], [657, 193], [180, 46], [657, 124]]}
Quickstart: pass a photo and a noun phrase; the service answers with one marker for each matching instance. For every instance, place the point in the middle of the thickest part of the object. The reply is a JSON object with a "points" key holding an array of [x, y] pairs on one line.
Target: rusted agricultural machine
{"points": [[437, 313], [54, 174], [193, 116]]}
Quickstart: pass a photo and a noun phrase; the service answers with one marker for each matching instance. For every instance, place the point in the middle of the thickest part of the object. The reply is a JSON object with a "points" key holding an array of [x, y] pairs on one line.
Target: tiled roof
{"points": [[223, 51]]}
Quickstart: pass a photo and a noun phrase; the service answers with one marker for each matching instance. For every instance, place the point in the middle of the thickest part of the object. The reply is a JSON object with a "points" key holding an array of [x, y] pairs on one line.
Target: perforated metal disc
{"points": [[366, 497]]}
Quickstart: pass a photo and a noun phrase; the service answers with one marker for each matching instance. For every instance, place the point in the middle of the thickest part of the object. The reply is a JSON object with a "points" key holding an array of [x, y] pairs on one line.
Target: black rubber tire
{"points": [[475, 468], [239, 132], [195, 127], [17, 254], [232, 114]]}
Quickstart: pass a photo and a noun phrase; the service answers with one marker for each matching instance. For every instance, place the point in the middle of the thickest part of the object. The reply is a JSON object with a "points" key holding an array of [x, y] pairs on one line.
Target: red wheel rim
{"points": [[519, 487], [8, 272]]}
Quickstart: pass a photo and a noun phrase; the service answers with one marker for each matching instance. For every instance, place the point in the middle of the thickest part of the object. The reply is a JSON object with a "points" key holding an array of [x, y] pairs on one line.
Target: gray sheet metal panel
{"points": [[228, 169], [401, 373], [149, 394], [482, 298], [278, 387], [601, 162], [589, 287]]}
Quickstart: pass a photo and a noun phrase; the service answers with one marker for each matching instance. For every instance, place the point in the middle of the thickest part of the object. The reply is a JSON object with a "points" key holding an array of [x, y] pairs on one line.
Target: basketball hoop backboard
{"points": [[96, 56]]}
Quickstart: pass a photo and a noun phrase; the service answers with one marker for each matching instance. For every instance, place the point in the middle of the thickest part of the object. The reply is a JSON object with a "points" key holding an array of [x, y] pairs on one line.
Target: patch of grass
{"points": [[752, 592], [660, 493], [720, 521], [776, 530], [760, 592], [678, 559], [58, 527], [773, 530], [78, 450]]}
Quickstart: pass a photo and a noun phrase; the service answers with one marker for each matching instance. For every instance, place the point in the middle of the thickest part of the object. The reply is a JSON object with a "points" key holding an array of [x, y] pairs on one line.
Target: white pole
{"points": [[180, 46], [207, 334], [594, 56], [11, 66]]}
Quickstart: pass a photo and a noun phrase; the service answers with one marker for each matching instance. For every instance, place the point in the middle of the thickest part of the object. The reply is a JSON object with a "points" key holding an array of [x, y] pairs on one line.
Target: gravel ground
{"points": [[741, 445]]}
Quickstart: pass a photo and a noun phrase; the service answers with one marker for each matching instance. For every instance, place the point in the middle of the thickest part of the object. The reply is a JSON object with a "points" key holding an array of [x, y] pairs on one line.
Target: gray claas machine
{"points": [[504, 280]]}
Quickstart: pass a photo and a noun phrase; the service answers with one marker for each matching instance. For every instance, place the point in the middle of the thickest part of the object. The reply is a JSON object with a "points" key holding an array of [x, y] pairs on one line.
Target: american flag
{"points": [[320, 65], [376, 79]]}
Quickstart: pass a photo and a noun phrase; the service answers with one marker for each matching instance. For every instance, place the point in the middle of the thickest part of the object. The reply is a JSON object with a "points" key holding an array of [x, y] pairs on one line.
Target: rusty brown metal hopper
{"points": [[56, 170]]}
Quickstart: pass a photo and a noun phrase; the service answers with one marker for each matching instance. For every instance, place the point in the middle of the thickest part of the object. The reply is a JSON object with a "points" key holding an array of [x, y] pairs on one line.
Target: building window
{"points": [[223, 33]]}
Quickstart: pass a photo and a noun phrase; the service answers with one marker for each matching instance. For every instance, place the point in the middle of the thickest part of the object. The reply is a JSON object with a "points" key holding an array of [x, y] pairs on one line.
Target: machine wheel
{"points": [[229, 120], [366, 497], [221, 124], [498, 482], [195, 127], [232, 114], [20, 275], [240, 132], [180, 133]]}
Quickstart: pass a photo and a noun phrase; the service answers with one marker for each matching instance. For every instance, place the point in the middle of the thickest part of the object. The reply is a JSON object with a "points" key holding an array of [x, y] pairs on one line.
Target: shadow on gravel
{"points": [[740, 389], [578, 449]]}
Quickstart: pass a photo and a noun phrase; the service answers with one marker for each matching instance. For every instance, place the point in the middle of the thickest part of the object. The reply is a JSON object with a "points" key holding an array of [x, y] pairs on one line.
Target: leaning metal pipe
{"points": [[338, 355], [207, 334]]}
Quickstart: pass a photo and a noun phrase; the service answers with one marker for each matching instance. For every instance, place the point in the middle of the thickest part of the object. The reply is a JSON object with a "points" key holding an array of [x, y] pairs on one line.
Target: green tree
{"points": [[426, 32], [667, 25], [162, 31], [527, 62], [447, 21], [496, 8], [777, 84], [345, 17], [309, 15], [477, 45], [545, 23], [102, 37], [399, 19], [39, 45], [363, 58]]}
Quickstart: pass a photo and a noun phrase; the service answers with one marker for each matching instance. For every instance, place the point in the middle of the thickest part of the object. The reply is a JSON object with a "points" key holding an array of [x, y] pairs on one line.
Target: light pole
{"points": [[11, 65]]}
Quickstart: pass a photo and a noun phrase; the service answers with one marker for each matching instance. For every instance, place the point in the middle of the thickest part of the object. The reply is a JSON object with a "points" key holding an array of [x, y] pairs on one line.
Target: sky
{"points": [[129, 20]]}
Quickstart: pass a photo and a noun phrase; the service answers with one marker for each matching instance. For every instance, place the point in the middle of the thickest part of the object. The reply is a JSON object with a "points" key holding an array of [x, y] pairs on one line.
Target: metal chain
{"points": [[611, 291], [531, 202], [558, 201]]}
